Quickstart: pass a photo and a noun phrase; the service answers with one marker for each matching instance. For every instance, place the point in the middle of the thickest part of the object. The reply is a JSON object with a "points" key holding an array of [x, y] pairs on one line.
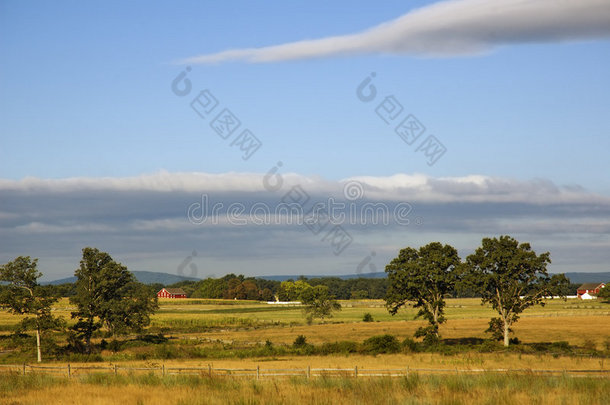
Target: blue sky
{"points": [[85, 91]]}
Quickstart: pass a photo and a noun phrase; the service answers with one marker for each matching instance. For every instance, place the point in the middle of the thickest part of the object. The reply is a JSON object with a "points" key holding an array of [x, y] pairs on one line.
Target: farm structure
{"points": [[171, 293], [587, 290]]}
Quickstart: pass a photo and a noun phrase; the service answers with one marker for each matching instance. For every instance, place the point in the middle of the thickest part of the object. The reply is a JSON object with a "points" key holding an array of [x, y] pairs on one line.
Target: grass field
{"points": [[245, 334], [148, 389]]}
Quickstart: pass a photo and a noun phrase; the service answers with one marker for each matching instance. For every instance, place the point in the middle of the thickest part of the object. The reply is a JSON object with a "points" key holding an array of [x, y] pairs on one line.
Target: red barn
{"points": [[171, 293], [590, 288]]}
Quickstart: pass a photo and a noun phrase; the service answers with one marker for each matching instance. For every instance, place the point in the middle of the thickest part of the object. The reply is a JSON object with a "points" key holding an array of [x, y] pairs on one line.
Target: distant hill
{"points": [[151, 277], [145, 277], [576, 278], [579, 278], [341, 276]]}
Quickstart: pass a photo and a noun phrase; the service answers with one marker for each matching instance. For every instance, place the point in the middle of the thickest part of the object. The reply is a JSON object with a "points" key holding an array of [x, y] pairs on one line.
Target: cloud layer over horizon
{"points": [[143, 220], [448, 28]]}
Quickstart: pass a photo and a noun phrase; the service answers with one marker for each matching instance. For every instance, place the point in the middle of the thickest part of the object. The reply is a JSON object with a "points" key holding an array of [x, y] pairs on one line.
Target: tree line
{"points": [[233, 286]]}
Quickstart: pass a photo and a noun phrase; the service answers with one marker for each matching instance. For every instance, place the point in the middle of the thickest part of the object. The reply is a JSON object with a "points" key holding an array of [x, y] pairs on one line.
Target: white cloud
{"points": [[473, 188], [250, 186], [37, 227], [447, 28]]}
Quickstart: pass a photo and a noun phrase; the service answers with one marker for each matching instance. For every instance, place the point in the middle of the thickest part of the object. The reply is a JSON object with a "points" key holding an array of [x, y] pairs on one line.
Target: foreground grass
{"points": [[415, 389]]}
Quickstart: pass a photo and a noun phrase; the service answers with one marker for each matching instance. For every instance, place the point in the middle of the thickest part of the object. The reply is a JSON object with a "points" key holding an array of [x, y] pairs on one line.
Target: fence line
{"points": [[308, 372]]}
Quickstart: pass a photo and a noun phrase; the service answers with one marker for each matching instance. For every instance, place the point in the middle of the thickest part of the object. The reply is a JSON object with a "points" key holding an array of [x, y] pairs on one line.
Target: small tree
{"points": [[24, 296], [319, 303], [510, 277], [423, 277]]}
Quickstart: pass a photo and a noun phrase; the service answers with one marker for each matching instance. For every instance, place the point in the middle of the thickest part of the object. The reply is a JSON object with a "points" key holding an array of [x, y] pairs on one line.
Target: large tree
{"points": [[423, 277], [131, 308], [25, 296], [108, 294], [511, 277]]}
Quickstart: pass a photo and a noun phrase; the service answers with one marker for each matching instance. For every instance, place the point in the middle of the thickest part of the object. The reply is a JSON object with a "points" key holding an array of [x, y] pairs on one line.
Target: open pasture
{"points": [[574, 321], [223, 327]]}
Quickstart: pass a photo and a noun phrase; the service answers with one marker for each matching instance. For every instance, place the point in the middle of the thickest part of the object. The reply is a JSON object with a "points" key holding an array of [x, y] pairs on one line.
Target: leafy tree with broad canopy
{"points": [[511, 277], [292, 290], [423, 277], [108, 294], [24, 296], [318, 301]]}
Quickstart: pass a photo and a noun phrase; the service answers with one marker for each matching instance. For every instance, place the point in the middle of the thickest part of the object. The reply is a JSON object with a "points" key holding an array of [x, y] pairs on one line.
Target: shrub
{"points": [[514, 341], [154, 339], [488, 346], [343, 347], [382, 344], [562, 346], [300, 341], [166, 352], [367, 317], [409, 345], [115, 345], [430, 335]]}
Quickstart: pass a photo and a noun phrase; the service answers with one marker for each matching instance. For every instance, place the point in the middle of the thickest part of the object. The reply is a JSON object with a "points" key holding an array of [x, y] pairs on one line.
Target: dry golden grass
{"points": [[485, 389], [573, 329], [249, 322], [462, 361]]}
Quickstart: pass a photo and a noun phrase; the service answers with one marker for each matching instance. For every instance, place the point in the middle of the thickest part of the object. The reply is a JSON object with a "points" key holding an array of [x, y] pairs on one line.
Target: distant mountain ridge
{"points": [[341, 276], [151, 277], [145, 277], [577, 278]]}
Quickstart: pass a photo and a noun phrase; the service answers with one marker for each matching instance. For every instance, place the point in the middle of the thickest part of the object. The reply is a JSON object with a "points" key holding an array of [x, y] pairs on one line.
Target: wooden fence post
{"points": [[258, 372], [115, 370], [308, 372], [355, 371], [407, 371], [163, 370], [23, 368], [210, 370], [69, 373]]}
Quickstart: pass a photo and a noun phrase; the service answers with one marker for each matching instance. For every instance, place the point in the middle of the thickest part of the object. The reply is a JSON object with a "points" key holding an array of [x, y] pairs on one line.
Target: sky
{"points": [[172, 135]]}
